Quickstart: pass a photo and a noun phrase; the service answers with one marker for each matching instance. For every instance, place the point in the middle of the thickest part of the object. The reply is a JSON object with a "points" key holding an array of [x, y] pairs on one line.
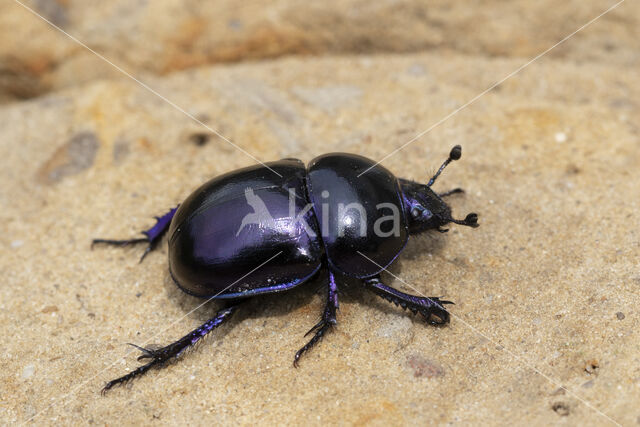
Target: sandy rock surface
{"points": [[546, 323]]}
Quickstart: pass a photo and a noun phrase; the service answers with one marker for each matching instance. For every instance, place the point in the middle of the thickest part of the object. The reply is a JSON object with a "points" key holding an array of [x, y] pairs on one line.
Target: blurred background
{"points": [[164, 36]]}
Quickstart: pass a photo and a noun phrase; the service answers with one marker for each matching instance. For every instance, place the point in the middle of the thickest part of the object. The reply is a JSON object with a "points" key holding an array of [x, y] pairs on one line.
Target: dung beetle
{"points": [[271, 227]]}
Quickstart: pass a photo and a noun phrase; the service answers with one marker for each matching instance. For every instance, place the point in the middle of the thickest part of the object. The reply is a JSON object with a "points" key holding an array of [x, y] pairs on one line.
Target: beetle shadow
{"points": [[418, 246], [279, 305], [266, 306]]}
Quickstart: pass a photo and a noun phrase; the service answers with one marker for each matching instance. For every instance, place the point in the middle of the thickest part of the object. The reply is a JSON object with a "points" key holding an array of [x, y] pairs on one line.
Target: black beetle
{"points": [[344, 212]]}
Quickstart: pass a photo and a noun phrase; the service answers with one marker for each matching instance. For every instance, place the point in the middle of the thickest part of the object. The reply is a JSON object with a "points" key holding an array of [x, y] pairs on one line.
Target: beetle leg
{"points": [[450, 192], [160, 356], [152, 235], [431, 308], [327, 321]]}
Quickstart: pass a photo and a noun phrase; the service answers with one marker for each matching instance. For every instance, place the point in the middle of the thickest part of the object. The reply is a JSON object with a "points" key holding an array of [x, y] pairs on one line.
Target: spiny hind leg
{"points": [[152, 235], [162, 355]]}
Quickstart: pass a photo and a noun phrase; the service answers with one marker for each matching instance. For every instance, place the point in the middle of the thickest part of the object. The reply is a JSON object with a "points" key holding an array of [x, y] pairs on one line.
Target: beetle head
{"points": [[425, 209]]}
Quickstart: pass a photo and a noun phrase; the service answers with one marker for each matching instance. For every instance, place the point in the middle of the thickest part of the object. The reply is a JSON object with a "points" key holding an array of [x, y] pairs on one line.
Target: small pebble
{"points": [[591, 366], [620, 315], [49, 309], [199, 139], [28, 371], [561, 408], [561, 137]]}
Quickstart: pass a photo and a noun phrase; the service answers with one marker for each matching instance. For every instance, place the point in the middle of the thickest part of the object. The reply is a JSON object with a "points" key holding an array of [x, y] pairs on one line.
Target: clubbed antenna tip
{"points": [[455, 154]]}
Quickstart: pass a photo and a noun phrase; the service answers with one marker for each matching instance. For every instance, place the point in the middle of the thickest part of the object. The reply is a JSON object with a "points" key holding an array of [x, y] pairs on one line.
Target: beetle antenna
{"points": [[470, 220], [455, 154]]}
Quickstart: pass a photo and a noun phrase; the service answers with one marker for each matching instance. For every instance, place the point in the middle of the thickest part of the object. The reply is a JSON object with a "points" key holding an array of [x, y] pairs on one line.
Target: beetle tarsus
{"points": [[431, 308], [328, 319], [151, 246], [450, 192], [126, 378], [323, 327], [162, 355], [118, 242]]}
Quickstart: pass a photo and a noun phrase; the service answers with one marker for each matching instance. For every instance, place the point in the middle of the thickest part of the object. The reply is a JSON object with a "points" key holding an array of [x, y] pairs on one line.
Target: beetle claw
{"points": [[437, 320], [436, 315]]}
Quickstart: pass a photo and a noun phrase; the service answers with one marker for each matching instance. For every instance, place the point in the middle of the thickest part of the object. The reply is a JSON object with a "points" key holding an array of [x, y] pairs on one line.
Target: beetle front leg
{"points": [[327, 321], [152, 235], [431, 308], [160, 356]]}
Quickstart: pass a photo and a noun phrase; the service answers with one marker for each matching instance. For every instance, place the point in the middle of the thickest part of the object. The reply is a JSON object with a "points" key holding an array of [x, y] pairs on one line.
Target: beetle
{"points": [[271, 227]]}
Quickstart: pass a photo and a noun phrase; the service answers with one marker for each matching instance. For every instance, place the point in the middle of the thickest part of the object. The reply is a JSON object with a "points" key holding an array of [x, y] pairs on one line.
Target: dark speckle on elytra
{"points": [[73, 157], [423, 367]]}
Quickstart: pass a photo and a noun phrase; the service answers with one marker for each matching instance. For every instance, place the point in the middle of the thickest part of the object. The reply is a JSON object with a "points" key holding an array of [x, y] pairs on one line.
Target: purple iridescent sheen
{"points": [[333, 290], [209, 325], [211, 244], [162, 222]]}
